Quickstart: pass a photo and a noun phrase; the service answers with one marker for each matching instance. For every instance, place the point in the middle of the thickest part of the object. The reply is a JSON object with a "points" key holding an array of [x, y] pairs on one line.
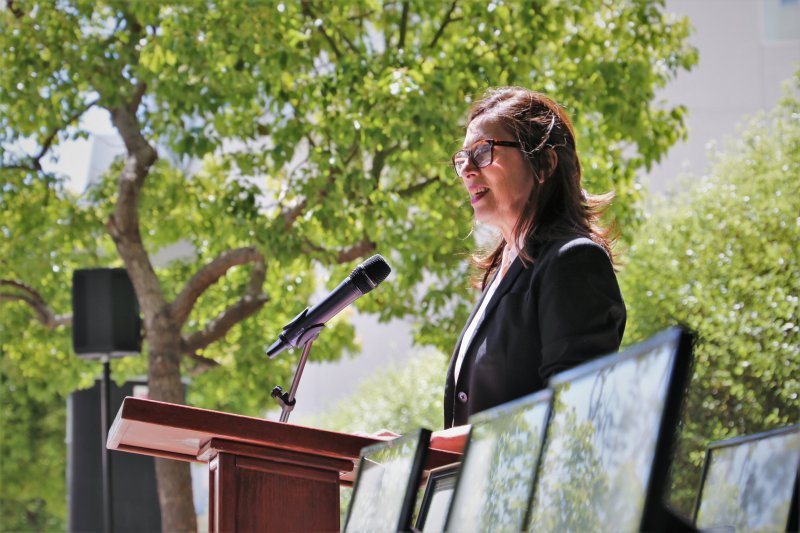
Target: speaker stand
{"points": [[105, 425]]}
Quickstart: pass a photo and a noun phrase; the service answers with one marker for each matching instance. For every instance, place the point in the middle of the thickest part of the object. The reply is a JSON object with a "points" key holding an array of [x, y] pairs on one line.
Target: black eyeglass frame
{"points": [[469, 152]]}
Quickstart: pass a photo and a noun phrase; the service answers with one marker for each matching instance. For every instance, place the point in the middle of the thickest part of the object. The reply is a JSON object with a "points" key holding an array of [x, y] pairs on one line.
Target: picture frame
{"points": [[607, 450], [495, 481], [386, 485], [436, 498], [743, 475]]}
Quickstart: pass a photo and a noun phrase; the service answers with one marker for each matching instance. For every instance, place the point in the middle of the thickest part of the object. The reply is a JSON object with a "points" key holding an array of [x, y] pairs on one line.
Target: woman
{"points": [[550, 296]]}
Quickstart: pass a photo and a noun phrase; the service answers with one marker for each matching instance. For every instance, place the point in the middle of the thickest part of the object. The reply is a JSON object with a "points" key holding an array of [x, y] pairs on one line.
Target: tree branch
{"points": [[361, 16], [36, 160], [447, 20], [345, 255], [28, 168], [204, 363], [401, 42], [252, 300], [356, 251], [31, 296], [415, 188], [349, 43], [307, 11], [208, 275], [17, 12], [123, 224], [141, 156], [138, 94], [379, 161], [134, 26], [217, 328], [291, 214], [306, 5], [49, 140]]}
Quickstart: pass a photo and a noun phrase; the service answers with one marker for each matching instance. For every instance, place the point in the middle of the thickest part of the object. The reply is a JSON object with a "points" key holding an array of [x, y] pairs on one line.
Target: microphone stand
{"points": [[287, 400]]}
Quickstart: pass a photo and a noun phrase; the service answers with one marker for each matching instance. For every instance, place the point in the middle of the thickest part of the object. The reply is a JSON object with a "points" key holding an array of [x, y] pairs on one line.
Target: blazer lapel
{"points": [[506, 283], [452, 370]]}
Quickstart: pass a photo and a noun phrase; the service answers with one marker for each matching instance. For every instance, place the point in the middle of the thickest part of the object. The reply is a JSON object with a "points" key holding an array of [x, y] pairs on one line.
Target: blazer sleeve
{"points": [[581, 311]]}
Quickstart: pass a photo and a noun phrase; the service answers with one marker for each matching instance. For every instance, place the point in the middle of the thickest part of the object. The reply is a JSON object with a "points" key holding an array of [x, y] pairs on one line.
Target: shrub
{"points": [[722, 256]]}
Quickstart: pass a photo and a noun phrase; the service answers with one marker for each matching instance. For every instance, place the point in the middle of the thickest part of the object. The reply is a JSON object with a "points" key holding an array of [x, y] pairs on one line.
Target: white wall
{"points": [[744, 56]]}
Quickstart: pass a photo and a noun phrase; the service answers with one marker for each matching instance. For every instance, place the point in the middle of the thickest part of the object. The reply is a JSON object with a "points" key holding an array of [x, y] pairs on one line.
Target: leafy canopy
{"points": [[342, 114]]}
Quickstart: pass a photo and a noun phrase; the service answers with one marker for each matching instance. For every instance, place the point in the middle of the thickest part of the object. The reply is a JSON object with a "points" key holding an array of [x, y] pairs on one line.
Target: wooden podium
{"points": [[263, 475]]}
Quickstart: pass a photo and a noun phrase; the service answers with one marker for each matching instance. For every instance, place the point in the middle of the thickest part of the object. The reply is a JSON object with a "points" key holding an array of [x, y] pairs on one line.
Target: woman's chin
{"points": [[484, 216]]}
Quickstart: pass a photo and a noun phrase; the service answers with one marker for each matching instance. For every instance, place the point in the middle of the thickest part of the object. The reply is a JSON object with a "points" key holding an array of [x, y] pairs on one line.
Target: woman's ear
{"points": [[550, 160]]}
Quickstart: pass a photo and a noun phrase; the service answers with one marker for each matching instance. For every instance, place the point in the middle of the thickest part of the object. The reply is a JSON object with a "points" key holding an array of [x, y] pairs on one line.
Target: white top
{"points": [[509, 254]]}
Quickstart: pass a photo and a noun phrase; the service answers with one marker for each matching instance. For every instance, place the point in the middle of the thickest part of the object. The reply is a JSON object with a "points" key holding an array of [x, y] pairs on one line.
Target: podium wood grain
{"points": [[263, 475]]}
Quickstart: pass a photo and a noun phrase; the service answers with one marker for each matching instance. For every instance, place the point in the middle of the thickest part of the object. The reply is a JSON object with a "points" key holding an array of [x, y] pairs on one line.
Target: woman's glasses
{"points": [[481, 153]]}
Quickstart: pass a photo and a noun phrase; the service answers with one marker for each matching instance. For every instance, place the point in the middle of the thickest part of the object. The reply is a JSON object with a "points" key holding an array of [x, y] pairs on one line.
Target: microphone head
{"points": [[370, 273], [277, 347]]}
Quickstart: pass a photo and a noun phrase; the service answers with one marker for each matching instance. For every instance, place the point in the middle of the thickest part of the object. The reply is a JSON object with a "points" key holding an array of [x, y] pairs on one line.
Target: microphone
{"points": [[309, 322]]}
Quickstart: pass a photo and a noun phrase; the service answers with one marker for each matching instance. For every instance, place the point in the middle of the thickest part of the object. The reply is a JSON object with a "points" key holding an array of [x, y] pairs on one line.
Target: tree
{"points": [[722, 256], [324, 129], [28, 457]]}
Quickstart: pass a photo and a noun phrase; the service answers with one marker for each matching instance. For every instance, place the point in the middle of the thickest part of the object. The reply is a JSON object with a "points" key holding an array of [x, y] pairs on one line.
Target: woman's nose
{"points": [[469, 170]]}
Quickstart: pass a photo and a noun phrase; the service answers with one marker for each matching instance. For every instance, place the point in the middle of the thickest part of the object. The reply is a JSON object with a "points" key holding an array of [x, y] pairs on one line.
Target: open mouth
{"points": [[476, 195]]}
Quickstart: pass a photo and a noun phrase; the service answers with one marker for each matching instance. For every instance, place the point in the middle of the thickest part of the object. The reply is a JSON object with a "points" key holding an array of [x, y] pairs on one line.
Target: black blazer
{"points": [[560, 311]]}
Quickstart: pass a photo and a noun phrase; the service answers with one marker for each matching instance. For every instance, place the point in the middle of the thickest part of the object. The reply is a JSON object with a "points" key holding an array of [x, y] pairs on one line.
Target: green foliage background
{"points": [[343, 113], [722, 256]]}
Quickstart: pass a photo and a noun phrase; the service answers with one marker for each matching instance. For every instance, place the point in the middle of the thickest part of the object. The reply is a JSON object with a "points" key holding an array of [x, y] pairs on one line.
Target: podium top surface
{"points": [[180, 432]]}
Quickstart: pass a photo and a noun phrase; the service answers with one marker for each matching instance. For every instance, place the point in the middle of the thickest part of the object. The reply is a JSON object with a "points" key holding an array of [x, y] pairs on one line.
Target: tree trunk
{"points": [[164, 380], [163, 331], [174, 483]]}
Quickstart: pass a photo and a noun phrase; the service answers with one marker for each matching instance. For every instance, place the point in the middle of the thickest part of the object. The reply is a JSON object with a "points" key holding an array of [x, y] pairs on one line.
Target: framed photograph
{"points": [[751, 483], [386, 485], [495, 482], [437, 497], [607, 447]]}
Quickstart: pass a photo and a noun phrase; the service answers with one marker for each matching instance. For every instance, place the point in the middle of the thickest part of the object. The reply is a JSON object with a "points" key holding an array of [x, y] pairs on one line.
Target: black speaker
{"points": [[105, 314], [134, 495]]}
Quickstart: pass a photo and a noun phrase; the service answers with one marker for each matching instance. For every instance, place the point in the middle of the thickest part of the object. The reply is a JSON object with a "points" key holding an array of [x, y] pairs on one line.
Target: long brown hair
{"points": [[557, 207]]}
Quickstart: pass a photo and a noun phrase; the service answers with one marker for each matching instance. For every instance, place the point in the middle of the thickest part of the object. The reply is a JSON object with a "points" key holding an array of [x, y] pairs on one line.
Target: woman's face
{"points": [[498, 192]]}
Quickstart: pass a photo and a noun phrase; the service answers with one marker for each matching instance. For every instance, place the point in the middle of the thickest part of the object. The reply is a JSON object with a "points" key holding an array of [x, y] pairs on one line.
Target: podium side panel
{"points": [[248, 494], [274, 496]]}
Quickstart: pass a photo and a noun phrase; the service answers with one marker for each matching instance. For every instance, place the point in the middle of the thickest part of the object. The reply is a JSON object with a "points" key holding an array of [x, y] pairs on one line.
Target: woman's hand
{"points": [[451, 440]]}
